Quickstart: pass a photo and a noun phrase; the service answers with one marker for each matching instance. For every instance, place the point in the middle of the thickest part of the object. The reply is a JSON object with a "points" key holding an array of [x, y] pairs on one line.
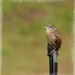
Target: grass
{"points": [[23, 36]]}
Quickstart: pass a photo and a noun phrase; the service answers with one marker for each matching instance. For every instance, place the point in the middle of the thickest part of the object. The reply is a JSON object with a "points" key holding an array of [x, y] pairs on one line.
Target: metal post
{"points": [[53, 64]]}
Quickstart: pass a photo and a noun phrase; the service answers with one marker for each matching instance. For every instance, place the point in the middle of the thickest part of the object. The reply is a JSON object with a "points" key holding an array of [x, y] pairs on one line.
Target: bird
{"points": [[53, 37]]}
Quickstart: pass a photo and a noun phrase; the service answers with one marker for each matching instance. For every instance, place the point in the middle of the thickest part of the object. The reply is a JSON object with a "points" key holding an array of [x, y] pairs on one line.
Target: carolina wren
{"points": [[52, 37]]}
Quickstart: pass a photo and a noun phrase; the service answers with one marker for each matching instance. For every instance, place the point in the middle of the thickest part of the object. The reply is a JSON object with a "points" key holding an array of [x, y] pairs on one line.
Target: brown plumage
{"points": [[52, 37]]}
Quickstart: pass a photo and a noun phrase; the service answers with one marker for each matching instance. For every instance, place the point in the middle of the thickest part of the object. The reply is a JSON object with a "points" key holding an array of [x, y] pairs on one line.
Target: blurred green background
{"points": [[23, 36]]}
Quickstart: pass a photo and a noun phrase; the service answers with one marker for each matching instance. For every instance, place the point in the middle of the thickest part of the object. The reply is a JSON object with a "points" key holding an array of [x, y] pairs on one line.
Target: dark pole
{"points": [[53, 64]]}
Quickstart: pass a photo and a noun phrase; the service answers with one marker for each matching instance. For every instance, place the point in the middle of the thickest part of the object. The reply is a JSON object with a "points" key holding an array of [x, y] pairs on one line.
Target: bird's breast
{"points": [[51, 38]]}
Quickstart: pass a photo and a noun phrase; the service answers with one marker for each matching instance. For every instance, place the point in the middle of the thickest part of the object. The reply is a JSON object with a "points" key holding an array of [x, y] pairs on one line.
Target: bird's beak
{"points": [[45, 27]]}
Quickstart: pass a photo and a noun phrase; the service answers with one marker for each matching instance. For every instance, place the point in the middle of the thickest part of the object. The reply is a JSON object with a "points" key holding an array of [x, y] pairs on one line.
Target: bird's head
{"points": [[50, 28]]}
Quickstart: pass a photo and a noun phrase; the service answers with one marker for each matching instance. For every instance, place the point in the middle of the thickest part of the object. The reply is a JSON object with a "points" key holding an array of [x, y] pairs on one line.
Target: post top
{"points": [[50, 50]]}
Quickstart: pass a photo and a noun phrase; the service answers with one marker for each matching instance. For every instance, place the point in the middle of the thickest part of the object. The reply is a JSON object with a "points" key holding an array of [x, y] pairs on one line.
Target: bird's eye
{"points": [[51, 27]]}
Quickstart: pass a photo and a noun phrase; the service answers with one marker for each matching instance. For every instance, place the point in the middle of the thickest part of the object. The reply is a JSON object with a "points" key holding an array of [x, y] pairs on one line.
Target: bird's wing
{"points": [[58, 41]]}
